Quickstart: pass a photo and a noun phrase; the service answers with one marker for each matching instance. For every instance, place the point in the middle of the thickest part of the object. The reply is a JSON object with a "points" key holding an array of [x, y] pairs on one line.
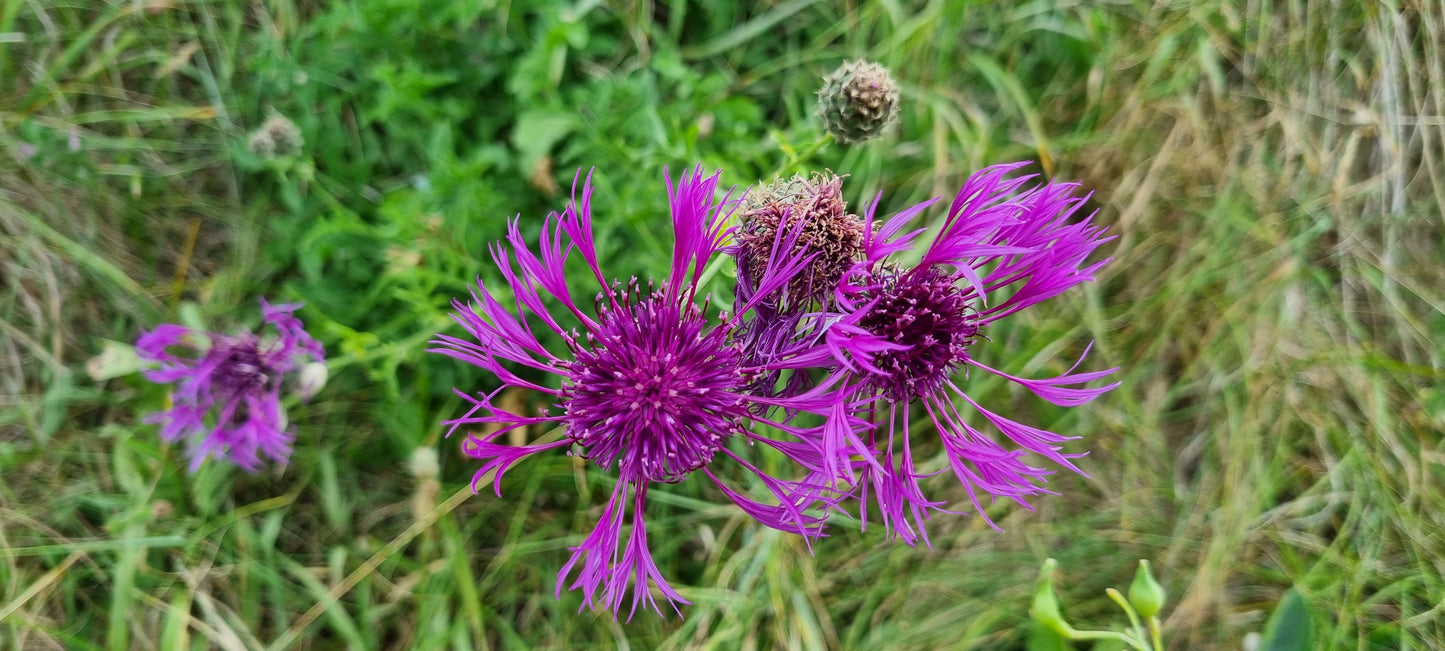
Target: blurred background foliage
{"points": [[1273, 172]]}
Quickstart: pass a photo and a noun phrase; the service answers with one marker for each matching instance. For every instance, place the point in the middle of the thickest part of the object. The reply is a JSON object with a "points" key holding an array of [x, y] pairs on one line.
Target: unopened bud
{"points": [[1045, 608], [857, 101], [1145, 594]]}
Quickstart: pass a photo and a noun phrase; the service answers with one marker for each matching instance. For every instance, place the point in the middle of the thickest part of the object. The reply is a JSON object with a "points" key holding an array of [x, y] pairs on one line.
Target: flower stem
{"points": [[1107, 635], [798, 159], [1134, 624], [1155, 635]]}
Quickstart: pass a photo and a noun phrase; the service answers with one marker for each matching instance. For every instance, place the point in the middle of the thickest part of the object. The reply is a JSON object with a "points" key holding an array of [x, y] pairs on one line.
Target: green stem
{"points": [[1134, 624], [1155, 635], [805, 155], [1107, 635]]}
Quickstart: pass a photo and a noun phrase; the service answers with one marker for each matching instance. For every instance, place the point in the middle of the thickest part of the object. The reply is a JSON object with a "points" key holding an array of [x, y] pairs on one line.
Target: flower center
{"points": [[653, 390], [241, 367], [923, 310]]}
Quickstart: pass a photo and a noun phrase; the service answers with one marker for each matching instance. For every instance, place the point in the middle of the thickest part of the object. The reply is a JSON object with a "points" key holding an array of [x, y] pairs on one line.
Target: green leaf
{"points": [[333, 501], [1289, 627], [537, 131], [115, 360], [748, 31], [54, 403]]}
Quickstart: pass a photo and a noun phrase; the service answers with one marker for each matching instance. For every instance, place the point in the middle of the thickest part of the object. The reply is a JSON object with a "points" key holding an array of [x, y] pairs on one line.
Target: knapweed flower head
{"points": [[226, 402], [858, 101], [907, 337], [827, 232], [650, 384]]}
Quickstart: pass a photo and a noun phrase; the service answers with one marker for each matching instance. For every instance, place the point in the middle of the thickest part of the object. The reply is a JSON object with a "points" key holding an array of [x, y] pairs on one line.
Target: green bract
{"points": [[857, 101]]}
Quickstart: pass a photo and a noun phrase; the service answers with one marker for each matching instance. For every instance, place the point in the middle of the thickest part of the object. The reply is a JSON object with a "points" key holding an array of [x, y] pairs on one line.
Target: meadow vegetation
{"points": [[1274, 172]]}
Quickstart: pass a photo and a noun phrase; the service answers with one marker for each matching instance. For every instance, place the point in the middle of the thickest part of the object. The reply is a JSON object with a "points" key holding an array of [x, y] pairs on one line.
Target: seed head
{"points": [[277, 136], [284, 133], [261, 144]]}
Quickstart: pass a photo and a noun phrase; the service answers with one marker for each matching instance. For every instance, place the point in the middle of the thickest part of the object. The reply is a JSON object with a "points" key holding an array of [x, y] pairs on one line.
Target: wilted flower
{"points": [[858, 101], [652, 388], [227, 399], [907, 333], [827, 232], [277, 136], [260, 144]]}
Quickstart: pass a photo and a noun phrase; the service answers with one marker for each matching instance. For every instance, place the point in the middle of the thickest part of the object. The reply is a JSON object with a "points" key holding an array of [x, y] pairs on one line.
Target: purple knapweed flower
{"points": [[227, 397], [652, 388], [907, 335]]}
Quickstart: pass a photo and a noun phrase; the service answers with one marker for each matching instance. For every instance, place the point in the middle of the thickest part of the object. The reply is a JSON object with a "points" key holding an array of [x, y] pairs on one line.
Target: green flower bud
{"points": [[1045, 608], [1145, 594], [857, 101]]}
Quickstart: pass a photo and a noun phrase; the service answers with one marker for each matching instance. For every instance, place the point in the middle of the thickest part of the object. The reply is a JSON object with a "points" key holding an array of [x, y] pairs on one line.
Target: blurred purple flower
{"points": [[652, 388], [906, 333], [235, 380]]}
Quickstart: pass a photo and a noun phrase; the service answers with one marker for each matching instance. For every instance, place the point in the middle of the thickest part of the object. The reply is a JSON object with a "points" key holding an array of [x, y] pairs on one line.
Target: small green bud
{"points": [[1145, 594], [857, 101], [1045, 609]]}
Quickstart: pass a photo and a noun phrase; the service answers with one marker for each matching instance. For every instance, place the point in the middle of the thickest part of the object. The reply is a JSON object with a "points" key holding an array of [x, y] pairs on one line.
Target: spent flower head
{"points": [[830, 236], [277, 136], [226, 402], [651, 385]]}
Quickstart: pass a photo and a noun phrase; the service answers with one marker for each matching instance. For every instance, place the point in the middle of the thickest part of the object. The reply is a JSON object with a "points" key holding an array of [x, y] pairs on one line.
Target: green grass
{"points": [[1273, 172]]}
